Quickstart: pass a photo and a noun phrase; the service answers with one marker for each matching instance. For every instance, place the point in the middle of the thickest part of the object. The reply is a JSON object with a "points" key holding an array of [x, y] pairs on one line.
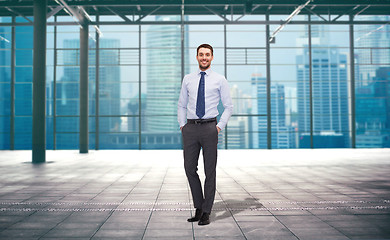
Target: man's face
{"points": [[204, 58]]}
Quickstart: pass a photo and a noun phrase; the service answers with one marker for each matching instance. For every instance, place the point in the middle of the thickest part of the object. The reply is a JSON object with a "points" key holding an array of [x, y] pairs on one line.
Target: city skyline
{"points": [[161, 79]]}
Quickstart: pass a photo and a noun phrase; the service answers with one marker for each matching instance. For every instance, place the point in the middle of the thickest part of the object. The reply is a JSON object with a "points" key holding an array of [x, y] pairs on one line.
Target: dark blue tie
{"points": [[200, 105]]}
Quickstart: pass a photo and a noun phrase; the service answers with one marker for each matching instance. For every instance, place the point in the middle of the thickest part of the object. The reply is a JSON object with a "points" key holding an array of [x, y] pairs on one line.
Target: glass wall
{"points": [[331, 95], [161, 73], [118, 88], [23, 85], [67, 87], [372, 73], [135, 74], [50, 63], [290, 107], [246, 73], [5, 84]]}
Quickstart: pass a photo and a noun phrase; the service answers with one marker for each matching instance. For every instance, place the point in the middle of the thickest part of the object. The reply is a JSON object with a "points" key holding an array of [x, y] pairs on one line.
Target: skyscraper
{"points": [[259, 110], [163, 57], [373, 111], [372, 79], [281, 136], [329, 89]]}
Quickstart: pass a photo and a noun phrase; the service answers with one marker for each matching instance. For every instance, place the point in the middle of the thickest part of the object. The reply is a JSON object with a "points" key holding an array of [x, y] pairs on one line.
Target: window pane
{"points": [[4, 141], [23, 132], [5, 58], [23, 74], [49, 132], [67, 124], [4, 124], [119, 141], [67, 141], [118, 124], [244, 133], [160, 132], [23, 141], [23, 99], [128, 36], [5, 99]]}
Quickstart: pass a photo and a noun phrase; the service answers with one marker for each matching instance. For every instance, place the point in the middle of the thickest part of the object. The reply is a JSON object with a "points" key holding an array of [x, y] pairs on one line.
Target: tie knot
{"points": [[202, 73]]}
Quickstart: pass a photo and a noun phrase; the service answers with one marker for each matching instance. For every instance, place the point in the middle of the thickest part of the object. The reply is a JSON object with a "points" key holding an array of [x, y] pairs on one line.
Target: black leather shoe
{"points": [[205, 219], [198, 214]]}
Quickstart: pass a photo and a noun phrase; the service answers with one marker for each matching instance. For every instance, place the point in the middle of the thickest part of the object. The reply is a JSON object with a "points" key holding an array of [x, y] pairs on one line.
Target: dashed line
{"points": [[188, 209], [247, 206], [187, 203]]}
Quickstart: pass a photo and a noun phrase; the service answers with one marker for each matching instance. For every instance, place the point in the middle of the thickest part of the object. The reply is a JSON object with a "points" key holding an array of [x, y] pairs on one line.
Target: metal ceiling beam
{"points": [[144, 16], [346, 13], [18, 13], [123, 16], [119, 3], [171, 9], [54, 12], [71, 10], [312, 12], [214, 12], [261, 22]]}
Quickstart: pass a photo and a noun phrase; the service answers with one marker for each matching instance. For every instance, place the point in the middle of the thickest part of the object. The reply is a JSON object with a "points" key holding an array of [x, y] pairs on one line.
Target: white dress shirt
{"points": [[216, 88]]}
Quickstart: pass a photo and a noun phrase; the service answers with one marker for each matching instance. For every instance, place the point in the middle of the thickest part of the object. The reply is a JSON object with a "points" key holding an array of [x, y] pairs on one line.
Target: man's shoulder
{"points": [[217, 75], [190, 75]]}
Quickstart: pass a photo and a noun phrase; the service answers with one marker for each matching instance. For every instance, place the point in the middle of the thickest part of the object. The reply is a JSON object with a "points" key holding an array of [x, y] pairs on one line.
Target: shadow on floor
{"points": [[225, 209]]}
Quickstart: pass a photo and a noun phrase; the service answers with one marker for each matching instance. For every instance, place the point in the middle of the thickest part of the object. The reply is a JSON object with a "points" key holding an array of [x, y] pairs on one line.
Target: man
{"points": [[199, 97]]}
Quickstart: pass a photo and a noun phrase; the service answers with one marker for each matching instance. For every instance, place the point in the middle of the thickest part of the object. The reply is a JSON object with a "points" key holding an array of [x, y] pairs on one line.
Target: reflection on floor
{"points": [[261, 194]]}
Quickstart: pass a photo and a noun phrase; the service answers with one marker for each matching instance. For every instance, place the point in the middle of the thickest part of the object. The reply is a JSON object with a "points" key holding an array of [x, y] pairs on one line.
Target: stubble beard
{"points": [[204, 68]]}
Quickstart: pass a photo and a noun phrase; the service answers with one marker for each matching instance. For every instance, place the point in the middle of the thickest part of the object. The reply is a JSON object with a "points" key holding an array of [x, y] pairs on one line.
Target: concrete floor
{"points": [[261, 194]]}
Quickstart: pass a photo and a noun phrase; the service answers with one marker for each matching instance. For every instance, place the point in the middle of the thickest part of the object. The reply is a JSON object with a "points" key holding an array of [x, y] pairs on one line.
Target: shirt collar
{"points": [[208, 71]]}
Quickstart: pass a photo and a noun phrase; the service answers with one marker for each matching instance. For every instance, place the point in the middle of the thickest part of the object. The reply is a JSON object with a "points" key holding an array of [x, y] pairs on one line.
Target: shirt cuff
{"points": [[220, 126]]}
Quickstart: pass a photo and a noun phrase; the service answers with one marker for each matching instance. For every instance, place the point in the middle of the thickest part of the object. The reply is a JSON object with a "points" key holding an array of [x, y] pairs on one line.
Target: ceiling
{"points": [[221, 8]]}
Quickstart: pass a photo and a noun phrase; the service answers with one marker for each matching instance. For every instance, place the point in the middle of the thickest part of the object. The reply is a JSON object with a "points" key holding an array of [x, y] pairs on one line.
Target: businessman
{"points": [[200, 94]]}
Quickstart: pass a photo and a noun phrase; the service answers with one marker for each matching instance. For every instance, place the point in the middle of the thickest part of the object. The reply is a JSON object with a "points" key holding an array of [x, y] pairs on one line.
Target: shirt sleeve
{"points": [[182, 105], [227, 103]]}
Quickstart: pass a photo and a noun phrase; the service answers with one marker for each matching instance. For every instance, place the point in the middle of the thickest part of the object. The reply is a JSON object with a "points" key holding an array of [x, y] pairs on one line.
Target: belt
{"points": [[201, 121]]}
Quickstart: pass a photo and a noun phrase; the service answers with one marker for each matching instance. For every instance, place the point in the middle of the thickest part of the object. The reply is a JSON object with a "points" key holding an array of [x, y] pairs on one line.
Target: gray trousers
{"points": [[195, 137]]}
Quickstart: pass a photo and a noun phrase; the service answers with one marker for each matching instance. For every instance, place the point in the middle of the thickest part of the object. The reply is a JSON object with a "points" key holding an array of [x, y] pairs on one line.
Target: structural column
{"points": [[311, 84], [352, 74], [12, 106], [39, 83], [268, 86], [84, 88], [97, 67]]}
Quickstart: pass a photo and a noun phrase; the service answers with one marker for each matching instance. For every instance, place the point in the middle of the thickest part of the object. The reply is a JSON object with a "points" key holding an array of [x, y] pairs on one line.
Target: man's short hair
{"points": [[205, 45]]}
